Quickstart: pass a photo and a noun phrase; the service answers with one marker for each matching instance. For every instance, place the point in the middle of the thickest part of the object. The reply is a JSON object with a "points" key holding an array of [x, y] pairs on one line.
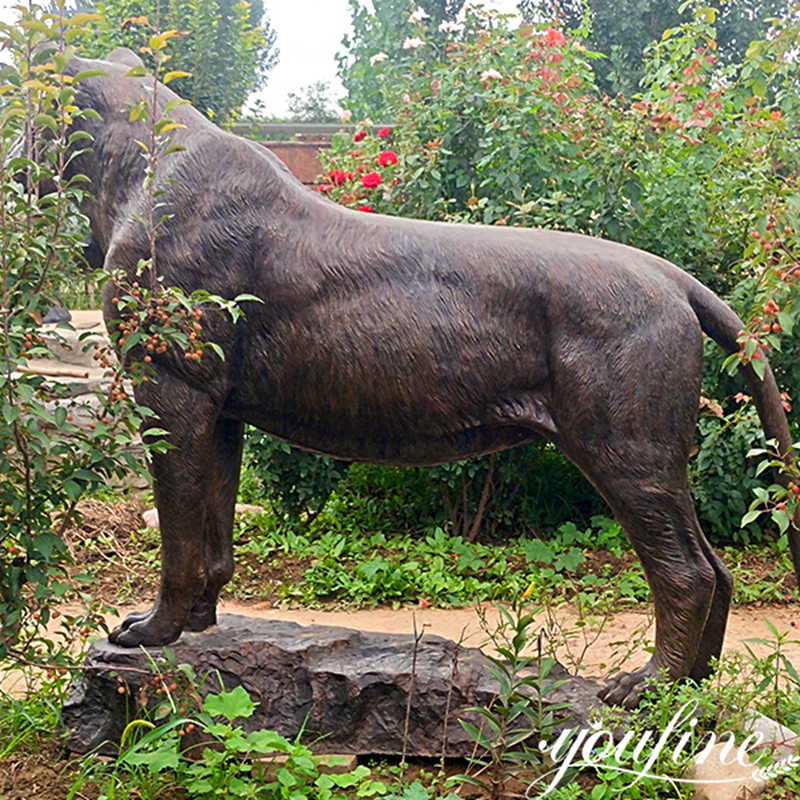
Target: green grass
{"points": [[25, 720], [367, 569]]}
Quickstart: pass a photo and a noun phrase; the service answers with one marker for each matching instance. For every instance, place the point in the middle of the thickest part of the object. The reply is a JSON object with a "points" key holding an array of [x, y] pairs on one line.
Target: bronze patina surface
{"points": [[404, 342]]}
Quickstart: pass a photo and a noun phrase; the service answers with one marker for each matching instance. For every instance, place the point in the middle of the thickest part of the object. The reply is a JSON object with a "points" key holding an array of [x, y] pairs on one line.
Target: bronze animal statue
{"points": [[404, 342]]}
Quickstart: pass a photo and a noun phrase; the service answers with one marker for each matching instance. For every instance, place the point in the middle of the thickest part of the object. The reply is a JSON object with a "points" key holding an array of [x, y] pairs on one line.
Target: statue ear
{"points": [[122, 55]]}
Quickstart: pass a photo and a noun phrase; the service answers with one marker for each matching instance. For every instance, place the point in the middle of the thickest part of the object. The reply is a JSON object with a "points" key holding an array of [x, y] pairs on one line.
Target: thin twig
{"points": [[453, 673], [417, 639], [487, 484]]}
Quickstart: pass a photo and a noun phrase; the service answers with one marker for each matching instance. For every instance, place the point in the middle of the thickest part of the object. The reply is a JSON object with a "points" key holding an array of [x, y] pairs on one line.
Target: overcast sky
{"points": [[309, 35]]}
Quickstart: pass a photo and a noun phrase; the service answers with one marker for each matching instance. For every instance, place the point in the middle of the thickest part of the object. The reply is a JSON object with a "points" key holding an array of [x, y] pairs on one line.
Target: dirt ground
{"points": [[612, 644]]}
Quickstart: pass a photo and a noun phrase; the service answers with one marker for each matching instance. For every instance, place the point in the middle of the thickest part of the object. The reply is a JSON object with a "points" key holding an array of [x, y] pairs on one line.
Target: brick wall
{"points": [[301, 157]]}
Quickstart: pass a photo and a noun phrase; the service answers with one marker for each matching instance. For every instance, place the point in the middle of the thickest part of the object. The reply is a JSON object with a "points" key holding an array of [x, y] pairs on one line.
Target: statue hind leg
{"points": [[636, 405], [690, 603]]}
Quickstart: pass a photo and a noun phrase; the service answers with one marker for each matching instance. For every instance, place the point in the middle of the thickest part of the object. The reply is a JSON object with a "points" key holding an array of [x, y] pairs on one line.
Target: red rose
{"points": [[359, 136], [388, 158], [324, 188], [555, 38], [371, 180], [384, 133], [337, 176], [367, 209]]}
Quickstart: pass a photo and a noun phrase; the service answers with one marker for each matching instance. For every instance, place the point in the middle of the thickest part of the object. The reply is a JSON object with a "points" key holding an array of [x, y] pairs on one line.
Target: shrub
{"points": [[47, 462]]}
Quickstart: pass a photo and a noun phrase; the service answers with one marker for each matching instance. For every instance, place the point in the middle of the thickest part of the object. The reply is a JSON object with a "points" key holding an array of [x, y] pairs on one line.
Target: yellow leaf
{"points": [[82, 18], [174, 75], [159, 42], [35, 83]]}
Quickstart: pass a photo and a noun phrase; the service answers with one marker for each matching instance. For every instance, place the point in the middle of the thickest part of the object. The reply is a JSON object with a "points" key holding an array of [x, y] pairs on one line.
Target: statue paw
{"points": [[134, 616], [202, 616], [625, 688], [150, 630]]}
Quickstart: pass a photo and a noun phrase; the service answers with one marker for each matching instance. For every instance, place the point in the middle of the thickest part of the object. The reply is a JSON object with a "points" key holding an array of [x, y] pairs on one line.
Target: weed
{"points": [[519, 712]]}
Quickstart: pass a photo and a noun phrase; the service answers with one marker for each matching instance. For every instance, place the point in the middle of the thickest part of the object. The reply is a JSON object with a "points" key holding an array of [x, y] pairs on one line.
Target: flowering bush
{"points": [[364, 177]]}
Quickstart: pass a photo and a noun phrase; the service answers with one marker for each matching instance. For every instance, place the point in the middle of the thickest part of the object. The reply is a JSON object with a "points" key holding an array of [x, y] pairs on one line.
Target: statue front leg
{"points": [[182, 481], [218, 532]]}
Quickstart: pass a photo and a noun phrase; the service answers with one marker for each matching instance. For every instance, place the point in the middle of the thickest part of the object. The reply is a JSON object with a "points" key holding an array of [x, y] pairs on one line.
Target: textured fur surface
{"points": [[411, 343]]}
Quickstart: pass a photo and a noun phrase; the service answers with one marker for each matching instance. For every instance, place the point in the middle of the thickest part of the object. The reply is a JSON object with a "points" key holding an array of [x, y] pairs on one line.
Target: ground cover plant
{"points": [[333, 563]]}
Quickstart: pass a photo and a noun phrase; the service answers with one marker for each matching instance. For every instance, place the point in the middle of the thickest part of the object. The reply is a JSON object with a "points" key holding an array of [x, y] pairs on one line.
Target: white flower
{"points": [[419, 15], [377, 58], [449, 27], [413, 44], [490, 75]]}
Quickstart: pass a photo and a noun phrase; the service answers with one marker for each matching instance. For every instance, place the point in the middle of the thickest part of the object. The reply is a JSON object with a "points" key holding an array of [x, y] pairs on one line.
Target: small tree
{"points": [[624, 28], [313, 103], [47, 461], [227, 46]]}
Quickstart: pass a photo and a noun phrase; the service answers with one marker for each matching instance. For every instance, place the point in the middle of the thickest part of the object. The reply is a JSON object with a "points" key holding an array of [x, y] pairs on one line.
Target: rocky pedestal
{"points": [[347, 689]]}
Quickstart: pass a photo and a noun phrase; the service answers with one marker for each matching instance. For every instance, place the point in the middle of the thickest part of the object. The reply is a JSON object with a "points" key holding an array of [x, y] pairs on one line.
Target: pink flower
{"points": [[490, 75], [371, 180], [554, 37], [384, 133], [367, 209], [388, 158], [359, 136]]}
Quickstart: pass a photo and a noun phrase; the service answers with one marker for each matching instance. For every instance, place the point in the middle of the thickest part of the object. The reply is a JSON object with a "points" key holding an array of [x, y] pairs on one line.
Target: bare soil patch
{"points": [[43, 774]]}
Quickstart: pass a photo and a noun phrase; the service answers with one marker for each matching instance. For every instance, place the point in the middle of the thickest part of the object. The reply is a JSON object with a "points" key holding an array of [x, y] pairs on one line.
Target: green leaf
{"points": [[46, 543], [285, 778], [230, 705], [89, 73], [72, 489], [264, 741], [750, 516], [781, 519], [10, 413], [537, 550], [217, 349], [156, 761]]}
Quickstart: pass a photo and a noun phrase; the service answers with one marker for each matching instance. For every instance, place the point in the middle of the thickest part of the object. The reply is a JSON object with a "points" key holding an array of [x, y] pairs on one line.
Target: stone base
{"points": [[347, 689]]}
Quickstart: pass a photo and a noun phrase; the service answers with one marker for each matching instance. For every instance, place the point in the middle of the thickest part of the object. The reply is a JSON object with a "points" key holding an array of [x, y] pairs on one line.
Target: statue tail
{"points": [[722, 324]]}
